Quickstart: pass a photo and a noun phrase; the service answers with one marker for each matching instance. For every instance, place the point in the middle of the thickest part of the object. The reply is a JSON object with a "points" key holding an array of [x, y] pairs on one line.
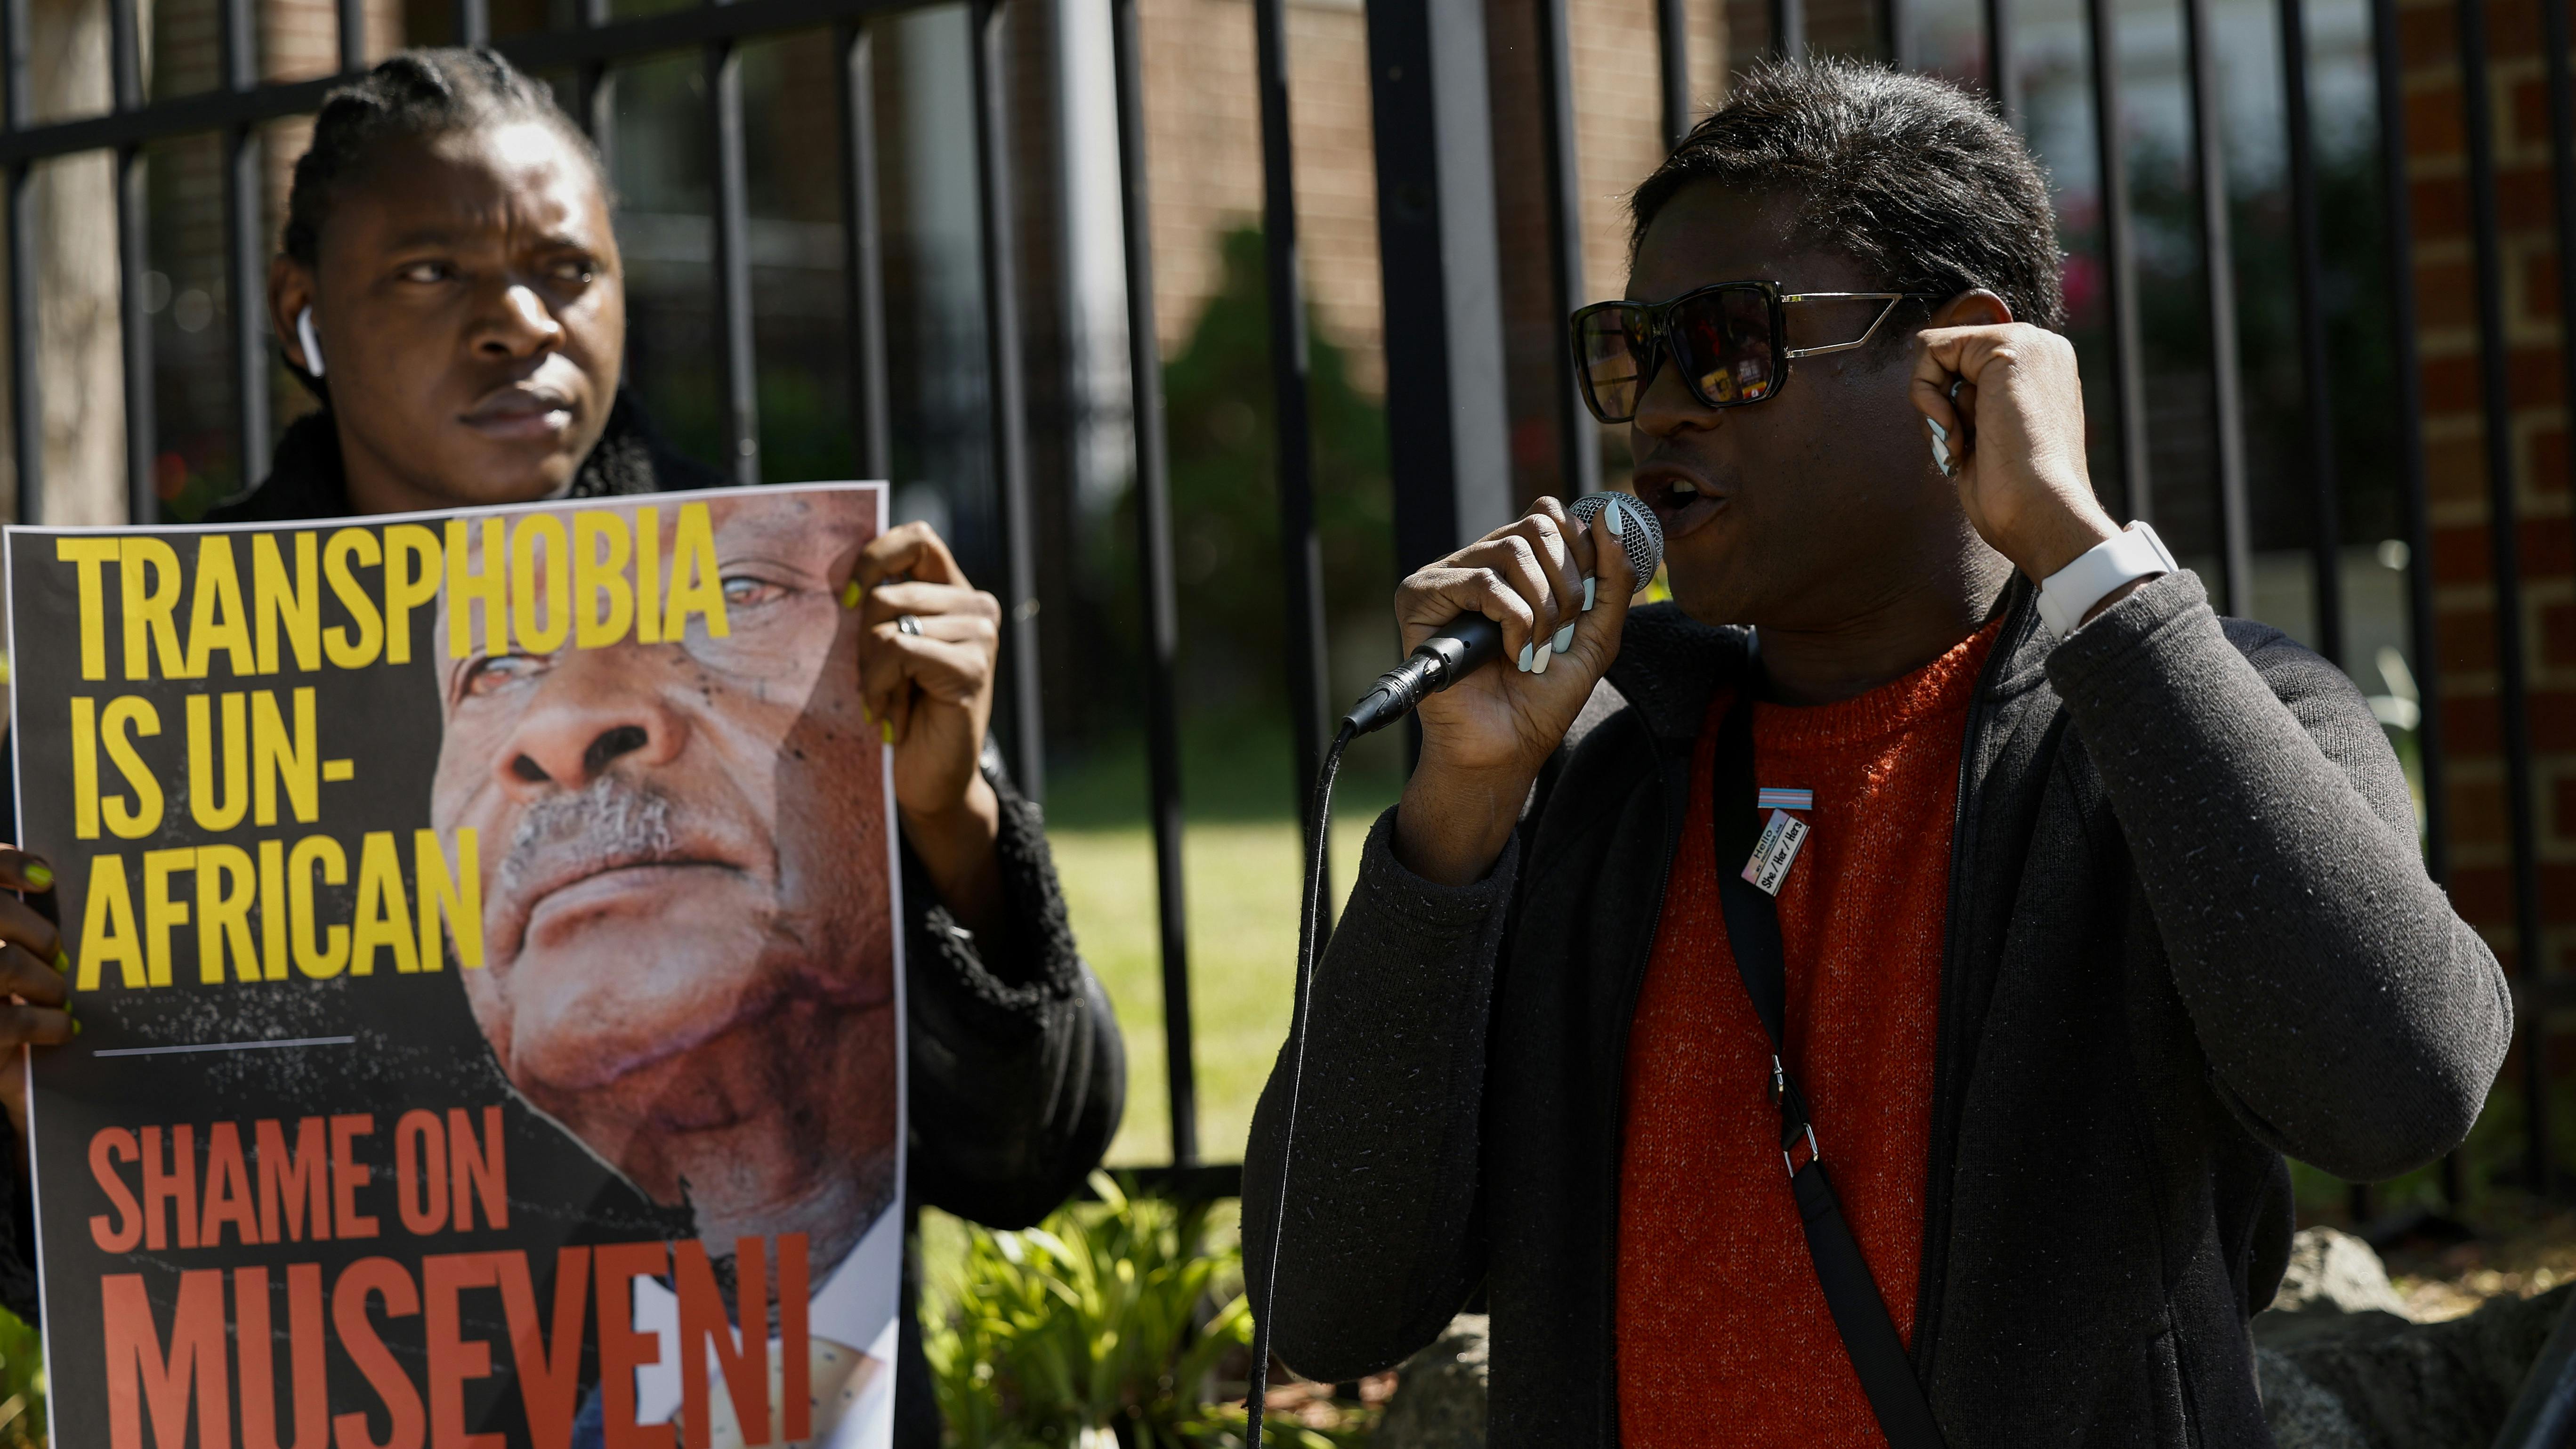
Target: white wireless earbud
{"points": [[312, 344]]}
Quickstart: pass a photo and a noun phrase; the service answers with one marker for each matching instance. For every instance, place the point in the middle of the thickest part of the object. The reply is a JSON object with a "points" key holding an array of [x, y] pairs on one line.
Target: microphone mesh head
{"points": [[1639, 531]]}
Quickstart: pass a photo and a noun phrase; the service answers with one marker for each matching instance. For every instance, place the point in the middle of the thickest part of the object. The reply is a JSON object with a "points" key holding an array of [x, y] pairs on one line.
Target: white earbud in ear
{"points": [[312, 344]]}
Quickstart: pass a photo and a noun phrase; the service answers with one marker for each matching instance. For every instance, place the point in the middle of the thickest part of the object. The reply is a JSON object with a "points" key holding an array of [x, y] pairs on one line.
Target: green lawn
{"points": [[1242, 880]]}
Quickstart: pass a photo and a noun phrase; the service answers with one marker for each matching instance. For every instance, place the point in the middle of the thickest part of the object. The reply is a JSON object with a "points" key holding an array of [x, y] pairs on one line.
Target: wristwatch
{"points": [[2067, 595]]}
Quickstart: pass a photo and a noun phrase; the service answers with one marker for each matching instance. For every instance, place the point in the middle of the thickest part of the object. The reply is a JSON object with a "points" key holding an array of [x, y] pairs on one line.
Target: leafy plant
{"points": [[22, 1385], [1106, 1322]]}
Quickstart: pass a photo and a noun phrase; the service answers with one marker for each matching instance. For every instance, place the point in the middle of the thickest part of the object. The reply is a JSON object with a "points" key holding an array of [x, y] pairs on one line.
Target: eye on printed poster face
{"points": [[484, 932]]}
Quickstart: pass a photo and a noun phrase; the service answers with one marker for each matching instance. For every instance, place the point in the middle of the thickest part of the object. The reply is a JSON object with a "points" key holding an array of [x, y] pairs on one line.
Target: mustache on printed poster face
{"points": [[614, 823]]}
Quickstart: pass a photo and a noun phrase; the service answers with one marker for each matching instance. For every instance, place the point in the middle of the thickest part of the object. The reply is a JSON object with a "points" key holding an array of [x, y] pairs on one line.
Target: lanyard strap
{"points": [[1753, 932]]}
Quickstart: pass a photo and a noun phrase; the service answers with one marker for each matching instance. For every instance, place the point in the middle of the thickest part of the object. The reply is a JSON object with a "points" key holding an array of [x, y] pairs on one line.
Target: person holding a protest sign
{"points": [[450, 288]]}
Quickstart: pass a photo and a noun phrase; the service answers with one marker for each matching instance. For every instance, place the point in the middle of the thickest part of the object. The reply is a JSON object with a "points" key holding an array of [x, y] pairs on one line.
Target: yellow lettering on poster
{"points": [[539, 537], [86, 555], [227, 884], [126, 716], [458, 895], [283, 601], [597, 576], [407, 587], [160, 913], [107, 928], [218, 807], [150, 629], [696, 585], [279, 756], [329, 956], [467, 588], [384, 908], [216, 618], [272, 909], [84, 767], [353, 645]]}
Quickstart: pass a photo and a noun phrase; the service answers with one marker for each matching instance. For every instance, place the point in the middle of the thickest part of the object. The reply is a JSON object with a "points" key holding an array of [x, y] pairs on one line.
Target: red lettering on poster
{"points": [[384, 1276], [109, 1147], [622, 1350], [454, 1358], [139, 1374], [310, 1392], [294, 1181]]}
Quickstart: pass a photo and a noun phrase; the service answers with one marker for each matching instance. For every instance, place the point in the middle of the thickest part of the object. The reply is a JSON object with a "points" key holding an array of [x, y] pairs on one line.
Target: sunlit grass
{"points": [[1242, 881]]}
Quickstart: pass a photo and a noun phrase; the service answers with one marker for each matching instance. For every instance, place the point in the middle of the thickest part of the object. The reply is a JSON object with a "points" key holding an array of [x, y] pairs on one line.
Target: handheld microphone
{"points": [[1466, 643]]}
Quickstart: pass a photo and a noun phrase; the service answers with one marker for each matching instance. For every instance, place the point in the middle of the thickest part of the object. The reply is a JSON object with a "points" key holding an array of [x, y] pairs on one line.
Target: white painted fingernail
{"points": [[1588, 585], [1938, 431], [1565, 638], [1615, 513], [1539, 665], [1941, 454], [1525, 656]]}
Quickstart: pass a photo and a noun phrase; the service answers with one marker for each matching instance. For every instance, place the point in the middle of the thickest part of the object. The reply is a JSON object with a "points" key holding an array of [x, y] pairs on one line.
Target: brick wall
{"points": [[2456, 461]]}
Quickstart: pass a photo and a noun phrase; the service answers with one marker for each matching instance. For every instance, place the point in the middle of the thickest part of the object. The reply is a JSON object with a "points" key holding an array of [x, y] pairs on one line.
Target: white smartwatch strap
{"points": [[2067, 595]]}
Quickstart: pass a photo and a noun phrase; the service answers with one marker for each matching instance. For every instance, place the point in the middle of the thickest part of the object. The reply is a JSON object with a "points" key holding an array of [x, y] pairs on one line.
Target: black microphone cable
{"points": [[1449, 655], [1310, 922]]}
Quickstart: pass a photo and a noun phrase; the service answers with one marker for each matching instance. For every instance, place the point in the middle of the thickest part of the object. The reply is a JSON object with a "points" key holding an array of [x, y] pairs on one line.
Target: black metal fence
{"points": [[1445, 395]]}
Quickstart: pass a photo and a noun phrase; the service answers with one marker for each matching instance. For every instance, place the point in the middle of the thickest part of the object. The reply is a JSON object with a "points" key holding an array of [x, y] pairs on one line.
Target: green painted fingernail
{"points": [[62, 961], [850, 594], [886, 728], [39, 876], [76, 1026]]}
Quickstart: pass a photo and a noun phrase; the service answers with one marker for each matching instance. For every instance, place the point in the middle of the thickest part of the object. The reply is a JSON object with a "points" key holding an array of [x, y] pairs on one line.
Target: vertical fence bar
{"points": [[2325, 501], [26, 394], [245, 248], [1891, 33], [1999, 54], [596, 104], [733, 265], [1672, 65], [2388, 64], [863, 252], [1789, 27], [473, 22], [2119, 259], [1154, 578], [2226, 375], [133, 261], [2504, 558], [1301, 554], [2562, 178], [1021, 704], [1577, 440], [352, 24]]}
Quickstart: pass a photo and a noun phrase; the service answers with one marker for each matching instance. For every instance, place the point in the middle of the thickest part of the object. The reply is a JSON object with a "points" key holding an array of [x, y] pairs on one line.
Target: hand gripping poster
{"points": [[482, 930]]}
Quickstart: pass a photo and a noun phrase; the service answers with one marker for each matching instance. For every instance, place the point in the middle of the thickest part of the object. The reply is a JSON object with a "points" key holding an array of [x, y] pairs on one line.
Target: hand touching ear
{"points": [[2004, 401]]}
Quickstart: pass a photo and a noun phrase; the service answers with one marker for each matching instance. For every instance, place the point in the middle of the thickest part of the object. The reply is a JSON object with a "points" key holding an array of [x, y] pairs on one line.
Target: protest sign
{"points": [[483, 928]]}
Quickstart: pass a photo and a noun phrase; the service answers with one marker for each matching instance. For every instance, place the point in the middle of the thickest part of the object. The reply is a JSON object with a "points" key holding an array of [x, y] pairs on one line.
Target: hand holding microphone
{"points": [[1516, 597]]}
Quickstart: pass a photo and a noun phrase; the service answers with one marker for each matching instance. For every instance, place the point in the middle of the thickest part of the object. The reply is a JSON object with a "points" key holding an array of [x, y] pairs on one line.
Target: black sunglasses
{"points": [[1729, 339]]}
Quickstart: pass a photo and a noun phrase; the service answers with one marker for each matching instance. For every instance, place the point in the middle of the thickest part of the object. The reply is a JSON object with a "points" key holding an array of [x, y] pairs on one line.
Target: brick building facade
{"points": [[2460, 518]]}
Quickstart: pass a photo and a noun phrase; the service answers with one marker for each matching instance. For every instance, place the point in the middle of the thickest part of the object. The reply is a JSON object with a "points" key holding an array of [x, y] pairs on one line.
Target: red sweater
{"points": [[1723, 1335]]}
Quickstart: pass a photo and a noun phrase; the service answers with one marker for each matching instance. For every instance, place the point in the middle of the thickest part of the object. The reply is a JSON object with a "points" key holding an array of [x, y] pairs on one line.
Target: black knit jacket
{"points": [[2188, 931], [1017, 1071]]}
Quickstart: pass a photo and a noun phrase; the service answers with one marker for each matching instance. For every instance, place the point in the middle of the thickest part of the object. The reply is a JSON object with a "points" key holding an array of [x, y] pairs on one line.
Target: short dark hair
{"points": [[1915, 179], [414, 93]]}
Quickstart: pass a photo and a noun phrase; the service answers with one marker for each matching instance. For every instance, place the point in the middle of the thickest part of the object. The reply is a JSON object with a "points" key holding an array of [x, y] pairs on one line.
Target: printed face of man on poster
{"points": [[686, 907]]}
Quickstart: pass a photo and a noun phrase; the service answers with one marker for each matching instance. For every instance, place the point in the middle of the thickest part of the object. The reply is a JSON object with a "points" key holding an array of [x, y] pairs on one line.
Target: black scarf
{"points": [[308, 480]]}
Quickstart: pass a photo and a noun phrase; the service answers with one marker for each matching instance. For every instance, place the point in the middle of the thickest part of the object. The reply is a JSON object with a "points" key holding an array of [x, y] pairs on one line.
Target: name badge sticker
{"points": [[1775, 851]]}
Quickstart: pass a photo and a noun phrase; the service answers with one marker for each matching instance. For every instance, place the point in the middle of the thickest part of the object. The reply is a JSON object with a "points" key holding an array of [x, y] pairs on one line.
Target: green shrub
{"points": [[1109, 1319], [22, 1385]]}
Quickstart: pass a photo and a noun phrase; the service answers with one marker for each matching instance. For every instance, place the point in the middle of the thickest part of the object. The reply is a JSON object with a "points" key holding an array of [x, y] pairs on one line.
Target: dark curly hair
{"points": [[413, 94], [1915, 179]]}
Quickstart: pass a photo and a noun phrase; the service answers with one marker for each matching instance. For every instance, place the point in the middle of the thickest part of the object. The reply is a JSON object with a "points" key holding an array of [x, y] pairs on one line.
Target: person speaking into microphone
{"points": [[1870, 998]]}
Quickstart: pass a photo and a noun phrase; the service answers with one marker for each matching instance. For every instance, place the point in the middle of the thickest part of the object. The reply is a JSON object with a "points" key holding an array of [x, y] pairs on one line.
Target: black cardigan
{"points": [[1017, 1072], [2189, 931]]}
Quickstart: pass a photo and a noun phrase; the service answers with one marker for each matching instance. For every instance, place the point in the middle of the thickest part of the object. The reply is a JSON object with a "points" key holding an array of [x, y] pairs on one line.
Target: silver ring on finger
{"points": [[907, 624]]}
